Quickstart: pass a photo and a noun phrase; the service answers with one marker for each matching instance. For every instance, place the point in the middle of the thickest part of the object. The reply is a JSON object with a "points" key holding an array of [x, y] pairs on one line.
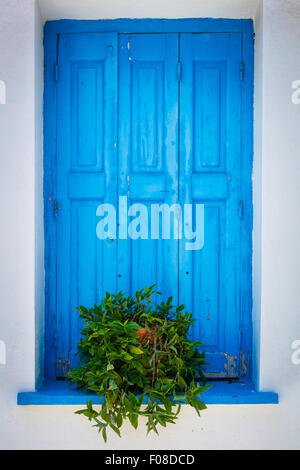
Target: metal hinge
{"points": [[242, 70], [56, 209], [179, 71], [63, 366]]}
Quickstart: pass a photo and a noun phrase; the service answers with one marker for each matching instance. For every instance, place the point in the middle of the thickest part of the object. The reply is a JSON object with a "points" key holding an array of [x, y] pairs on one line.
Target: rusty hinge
{"points": [[63, 366], [56, 209]]}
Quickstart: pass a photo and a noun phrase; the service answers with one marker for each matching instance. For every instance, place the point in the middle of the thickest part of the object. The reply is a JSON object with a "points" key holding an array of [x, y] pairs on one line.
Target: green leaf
{"points": [[119, 420], [135, 350], [126, 356], [99, 424], [117, 366], [179, 396], [181, 381], [112, 385], [115, 429], [133, 418]]}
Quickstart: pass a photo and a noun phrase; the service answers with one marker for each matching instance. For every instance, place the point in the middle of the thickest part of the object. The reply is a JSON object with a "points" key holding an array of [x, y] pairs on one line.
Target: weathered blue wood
{"points": [[221, 393], [88, 186], [246, 196], [148, 153], [50, 46], [86, 177], [210, 153], [150, 25]]}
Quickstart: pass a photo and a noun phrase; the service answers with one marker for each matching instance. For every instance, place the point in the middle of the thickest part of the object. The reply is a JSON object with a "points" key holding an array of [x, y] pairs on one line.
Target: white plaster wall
{"points": [[276, 244], [95, 9], [257, 196], [39, 206], [280, 294], [21, 240]]}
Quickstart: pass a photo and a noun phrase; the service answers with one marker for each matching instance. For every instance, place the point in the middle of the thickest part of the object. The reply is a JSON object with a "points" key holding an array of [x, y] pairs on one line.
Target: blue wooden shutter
{"points": [[148, 153], [210, 156], [86, 177], [179, 139]]}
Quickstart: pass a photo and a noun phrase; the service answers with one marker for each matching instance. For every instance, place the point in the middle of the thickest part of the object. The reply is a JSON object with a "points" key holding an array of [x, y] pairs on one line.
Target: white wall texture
{"points": [[95, 9], [276, 272], [21, 237]]}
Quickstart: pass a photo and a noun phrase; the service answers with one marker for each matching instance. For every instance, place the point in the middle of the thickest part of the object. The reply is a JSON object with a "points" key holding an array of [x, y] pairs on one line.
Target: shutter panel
{"points": [[86, 177], [210, 155]]}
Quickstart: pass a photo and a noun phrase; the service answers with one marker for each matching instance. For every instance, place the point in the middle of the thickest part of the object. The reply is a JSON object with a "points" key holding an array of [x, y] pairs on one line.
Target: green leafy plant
{"points": [[134, 351]]}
